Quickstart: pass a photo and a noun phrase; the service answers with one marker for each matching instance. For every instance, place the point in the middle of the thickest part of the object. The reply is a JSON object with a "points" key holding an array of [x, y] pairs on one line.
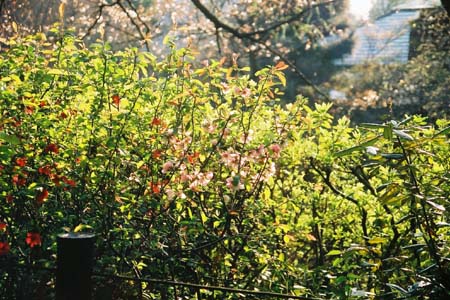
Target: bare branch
{"points": [[141, 34], [217, 23], [293, 18], [99, 15], [250, 36]]}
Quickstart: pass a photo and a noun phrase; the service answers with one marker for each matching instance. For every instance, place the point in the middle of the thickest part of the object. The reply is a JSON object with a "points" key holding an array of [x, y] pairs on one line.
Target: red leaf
{"points": [[70, 182], [116, 100], [20, 181], [156, 122], [155, 188], [51, 148], [62, 115], [41, 196], [33, 239], [45, 170], [4, 248], [192, 158], [9, 198], [21, 161], [16, 122], [156, 154]]}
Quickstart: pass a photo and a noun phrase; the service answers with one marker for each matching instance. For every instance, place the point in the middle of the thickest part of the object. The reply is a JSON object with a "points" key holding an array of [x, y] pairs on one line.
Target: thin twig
{"points": [[251, 37]]}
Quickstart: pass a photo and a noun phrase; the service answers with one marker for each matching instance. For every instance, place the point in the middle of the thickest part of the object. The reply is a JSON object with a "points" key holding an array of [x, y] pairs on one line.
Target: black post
{"points": [[74, 266]]}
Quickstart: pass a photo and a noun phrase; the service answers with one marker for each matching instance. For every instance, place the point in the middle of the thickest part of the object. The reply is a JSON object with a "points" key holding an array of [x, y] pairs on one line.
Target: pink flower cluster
{"points": [[241, 165]]}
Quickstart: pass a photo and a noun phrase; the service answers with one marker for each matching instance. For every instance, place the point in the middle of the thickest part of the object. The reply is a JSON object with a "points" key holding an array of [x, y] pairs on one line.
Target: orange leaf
{"points": [[116, 100], [281, 66], [41, 196]]}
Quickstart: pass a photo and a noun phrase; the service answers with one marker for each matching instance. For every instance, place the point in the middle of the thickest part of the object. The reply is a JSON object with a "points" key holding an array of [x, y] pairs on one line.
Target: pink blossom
{"points": [[225, 88], [229, 158], [204, 179], [185, 177], [246, 136], [170, 193], [276, 149], [200, 179], [260, 152], [167, 166], [226, 132], [209, 127]]}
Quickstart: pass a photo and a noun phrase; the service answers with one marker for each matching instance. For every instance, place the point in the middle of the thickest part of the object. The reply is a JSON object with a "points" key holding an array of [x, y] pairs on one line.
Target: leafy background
{"points": [[199, 174]]}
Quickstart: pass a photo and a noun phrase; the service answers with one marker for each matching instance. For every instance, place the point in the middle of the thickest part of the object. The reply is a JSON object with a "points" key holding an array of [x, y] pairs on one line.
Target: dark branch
{"points": [[141, 34], [219, 24], [251, 37], [293, 18], [99, 15]]}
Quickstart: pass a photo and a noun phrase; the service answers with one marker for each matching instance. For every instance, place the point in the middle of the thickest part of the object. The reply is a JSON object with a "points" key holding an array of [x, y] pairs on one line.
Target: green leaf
{"points": [[392, 190], [9, 138], [204, 217], [387, 132], [400, 200], [443, 131], [414, 246], [334, 252], [281, 77], [356, 148], [348, 151], [55, 72]]}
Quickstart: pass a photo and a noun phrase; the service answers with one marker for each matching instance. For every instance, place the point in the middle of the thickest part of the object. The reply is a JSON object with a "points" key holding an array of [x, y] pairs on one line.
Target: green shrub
{"points": [[198, 174]]}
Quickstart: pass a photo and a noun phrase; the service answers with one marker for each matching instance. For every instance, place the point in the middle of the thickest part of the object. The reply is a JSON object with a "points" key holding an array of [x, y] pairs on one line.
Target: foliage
{"points": [[252, 32], [199, 175]]}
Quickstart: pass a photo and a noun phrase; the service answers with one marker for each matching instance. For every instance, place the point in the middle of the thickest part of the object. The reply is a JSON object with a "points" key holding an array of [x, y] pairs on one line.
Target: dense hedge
{"points": [[198, 174]]}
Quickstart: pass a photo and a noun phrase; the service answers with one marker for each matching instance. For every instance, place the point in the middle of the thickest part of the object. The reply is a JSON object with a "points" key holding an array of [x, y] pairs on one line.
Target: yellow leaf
{"points": [[81, 227], [281, 77], [311, 237], [14, 26], [61, 8], [377, 240], [392, 190]]}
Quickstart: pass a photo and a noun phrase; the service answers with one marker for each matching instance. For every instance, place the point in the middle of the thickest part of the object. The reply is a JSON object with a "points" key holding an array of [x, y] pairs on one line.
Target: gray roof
{"points": [[386, 40], [417, 4]]}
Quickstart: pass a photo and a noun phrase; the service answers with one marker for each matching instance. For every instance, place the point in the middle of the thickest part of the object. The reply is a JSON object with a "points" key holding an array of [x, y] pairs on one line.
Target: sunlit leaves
{"points": [[204, 166]]}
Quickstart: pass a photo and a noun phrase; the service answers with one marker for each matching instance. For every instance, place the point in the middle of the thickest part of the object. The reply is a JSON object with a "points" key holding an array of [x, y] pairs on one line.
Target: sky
{"points": [[360, 8]]}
